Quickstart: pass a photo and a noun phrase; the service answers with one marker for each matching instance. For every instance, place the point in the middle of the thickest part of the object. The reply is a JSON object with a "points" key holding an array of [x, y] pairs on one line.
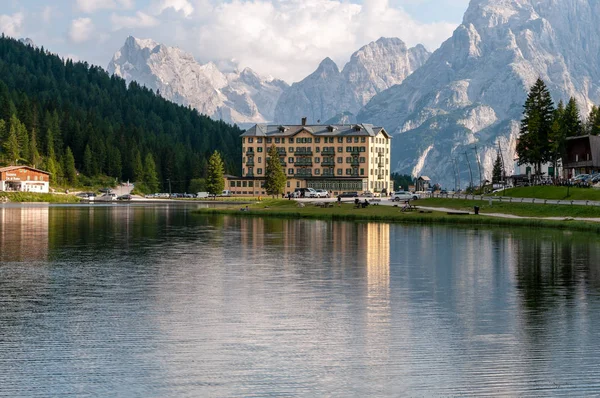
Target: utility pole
{"points": [[455, 174], [470, 172], [481, 183], [503, 168], [458, 172]]}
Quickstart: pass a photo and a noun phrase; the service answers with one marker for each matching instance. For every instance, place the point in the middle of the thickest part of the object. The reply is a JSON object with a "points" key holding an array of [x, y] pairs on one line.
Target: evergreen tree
{"points": [[275, 177], [558, 136], [138, 167], [150, 176], [571, 119], [536, 127], [69, 167], [497, 170], [34, 155], [52, 168], [214, 174], [593, 122], [11, 144], [88, 165]]}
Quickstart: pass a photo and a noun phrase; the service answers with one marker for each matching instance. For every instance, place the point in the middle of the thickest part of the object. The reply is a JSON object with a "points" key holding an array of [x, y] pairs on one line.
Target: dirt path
{"points": [[500, 215]]}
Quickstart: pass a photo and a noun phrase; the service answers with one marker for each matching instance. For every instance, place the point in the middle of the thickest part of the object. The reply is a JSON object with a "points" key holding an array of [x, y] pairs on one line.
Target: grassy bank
{"points": [[22, 197], [516, 209], [347, 212], [552, 192]]}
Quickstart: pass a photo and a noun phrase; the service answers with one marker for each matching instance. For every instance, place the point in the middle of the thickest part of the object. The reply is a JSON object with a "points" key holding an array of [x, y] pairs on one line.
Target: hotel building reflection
{"points": [[23, 233]]}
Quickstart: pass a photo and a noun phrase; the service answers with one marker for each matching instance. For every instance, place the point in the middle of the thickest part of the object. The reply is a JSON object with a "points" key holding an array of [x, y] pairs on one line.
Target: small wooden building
{"points": [[582, 155], [24, 179]]}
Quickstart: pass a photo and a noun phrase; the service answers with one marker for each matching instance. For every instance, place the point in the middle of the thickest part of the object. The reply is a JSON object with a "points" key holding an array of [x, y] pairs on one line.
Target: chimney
{"points": [[304, 121]]}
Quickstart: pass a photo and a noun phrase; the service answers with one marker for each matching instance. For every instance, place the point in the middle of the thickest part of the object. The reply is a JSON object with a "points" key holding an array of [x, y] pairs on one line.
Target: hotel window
{"points": [[258, 171], [239, 184], [356, 139], [340, 140], [259, 149], [348, 140], [250, 140], [291, 149], [317, 171], [317, 140], [362, 149], [244, 184], [339, 172], [363, 139], [348, 160], [243, 171], [269, 140], [291, 140], [297, 184], [259, 159], [362, 172], [340, 160], [232, 184], [317, 160], [318, 150], [290, 160], [348, 172], [288, 184], [340, 149], [290, 171], [259, 140], [277, 140], [361, 159]]}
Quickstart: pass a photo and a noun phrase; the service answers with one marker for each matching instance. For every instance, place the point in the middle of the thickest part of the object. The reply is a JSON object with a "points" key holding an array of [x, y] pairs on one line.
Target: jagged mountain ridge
{"points": [[472, 89], [236, 97], [331, 94]]}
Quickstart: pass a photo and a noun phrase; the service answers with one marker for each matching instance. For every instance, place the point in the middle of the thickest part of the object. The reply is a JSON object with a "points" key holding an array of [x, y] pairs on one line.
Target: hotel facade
{"points": [[337, 158]]}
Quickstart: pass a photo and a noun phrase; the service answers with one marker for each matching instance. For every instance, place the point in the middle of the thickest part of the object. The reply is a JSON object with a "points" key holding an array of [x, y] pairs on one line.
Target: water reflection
{"points": [[23, 233], [155, 301]]}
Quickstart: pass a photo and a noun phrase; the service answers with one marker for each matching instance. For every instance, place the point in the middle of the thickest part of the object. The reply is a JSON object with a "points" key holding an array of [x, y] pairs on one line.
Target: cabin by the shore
{"points": [[24, 179]]}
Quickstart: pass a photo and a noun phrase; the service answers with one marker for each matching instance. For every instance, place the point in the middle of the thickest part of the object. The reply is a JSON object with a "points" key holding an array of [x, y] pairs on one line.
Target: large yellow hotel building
{"points": [[338, 158]]}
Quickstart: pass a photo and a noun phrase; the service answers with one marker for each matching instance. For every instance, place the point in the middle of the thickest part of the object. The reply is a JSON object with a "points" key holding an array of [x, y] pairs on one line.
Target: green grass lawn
{"points": [[517, 209], [22, 197], [347, 212], [552, 192]]}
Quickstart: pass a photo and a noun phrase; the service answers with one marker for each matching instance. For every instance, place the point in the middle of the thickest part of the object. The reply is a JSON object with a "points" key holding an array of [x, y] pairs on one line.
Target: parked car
{"points": [[202, 195], [305, 193], [352, 194], [322, 193], [226, 192], [367, 194], [124, 197], [403, 195], [580, 177]]}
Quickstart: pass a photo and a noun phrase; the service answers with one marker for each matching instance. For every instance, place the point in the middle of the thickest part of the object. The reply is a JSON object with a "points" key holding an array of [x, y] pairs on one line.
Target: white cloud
{"points": [[183, 6], [91, 6], [139, 20], [11, 25], [81, 30], [288, 38]]}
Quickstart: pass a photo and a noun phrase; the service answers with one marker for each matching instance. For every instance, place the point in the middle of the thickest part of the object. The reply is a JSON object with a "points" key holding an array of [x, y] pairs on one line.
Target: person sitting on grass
{"points": [[365, 203], [406, 205]]}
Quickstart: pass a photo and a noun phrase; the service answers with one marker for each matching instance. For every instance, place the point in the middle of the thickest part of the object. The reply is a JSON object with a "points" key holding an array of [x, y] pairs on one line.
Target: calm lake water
{"points": [[153, 301]]}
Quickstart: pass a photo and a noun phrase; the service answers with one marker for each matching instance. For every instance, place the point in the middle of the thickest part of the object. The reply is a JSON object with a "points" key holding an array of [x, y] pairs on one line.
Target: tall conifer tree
{"points": [[275, 178], [214, 174], [536, 127]]}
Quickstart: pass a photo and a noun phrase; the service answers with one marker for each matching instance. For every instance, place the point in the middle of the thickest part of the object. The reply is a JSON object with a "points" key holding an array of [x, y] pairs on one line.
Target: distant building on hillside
{"points": [[333, 157], [582, 156], [24, 179]]}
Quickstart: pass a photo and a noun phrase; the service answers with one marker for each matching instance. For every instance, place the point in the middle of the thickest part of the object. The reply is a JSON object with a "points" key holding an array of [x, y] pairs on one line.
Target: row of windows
{"points": [[349, 172], [331, 159], [292, 149], [307, 140]]}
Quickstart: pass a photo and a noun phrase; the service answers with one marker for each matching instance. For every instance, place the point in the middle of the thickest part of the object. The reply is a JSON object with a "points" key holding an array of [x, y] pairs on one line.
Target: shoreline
{"points": [[393, 215]]}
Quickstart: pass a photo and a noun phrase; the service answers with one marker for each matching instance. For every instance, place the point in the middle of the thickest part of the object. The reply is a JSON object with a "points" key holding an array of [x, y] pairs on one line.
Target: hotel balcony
{"points": [[304, 152], [250, 163], [328, 163], [304, 174], [328, 151], [303, 162]]}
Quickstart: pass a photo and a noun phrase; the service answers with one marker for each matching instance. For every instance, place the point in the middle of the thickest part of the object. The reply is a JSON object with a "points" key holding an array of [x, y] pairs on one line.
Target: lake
{"points": [[154, 301]]}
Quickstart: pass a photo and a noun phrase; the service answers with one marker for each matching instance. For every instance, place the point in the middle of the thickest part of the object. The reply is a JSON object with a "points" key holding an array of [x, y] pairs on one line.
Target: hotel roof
{"points": [[331, 130]]}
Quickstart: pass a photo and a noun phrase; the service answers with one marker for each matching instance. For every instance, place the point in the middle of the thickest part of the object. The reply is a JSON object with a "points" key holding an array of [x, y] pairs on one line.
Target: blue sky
{"points": [[283, 38]]}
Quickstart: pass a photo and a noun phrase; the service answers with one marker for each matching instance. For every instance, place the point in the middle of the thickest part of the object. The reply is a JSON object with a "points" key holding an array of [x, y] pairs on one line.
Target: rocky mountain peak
{"points": [[327, 92], [471, 90], [234, 97]]}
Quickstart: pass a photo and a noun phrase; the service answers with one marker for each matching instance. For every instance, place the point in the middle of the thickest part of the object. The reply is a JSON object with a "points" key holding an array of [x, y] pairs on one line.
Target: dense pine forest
{"points": [[81, 124]]}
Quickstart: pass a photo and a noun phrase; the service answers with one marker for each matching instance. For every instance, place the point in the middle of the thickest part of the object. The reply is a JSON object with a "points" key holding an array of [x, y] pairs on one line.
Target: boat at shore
{"points": [[107, 197]]}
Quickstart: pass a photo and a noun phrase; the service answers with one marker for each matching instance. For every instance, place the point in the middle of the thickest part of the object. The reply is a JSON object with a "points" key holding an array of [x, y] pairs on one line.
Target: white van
{"points": [[202, 195], [226, 193]]}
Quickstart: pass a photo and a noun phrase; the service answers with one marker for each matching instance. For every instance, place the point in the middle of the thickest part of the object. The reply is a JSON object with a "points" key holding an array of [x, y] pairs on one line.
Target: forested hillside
{"points": [[56, 112]]}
